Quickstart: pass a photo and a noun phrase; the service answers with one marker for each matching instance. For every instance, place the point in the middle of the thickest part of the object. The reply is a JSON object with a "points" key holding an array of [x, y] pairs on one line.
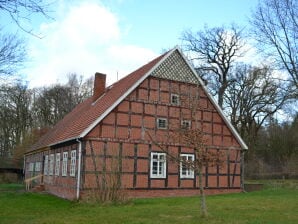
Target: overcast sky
{"points": [[117, 36]]}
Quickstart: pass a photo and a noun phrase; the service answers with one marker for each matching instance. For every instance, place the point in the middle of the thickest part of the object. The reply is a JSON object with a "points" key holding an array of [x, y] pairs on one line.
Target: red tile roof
{"points": [[83, 116], [86, 115]]}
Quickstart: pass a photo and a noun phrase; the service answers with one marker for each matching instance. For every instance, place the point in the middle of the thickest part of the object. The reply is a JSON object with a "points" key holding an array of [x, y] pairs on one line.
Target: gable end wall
{"points": [[124, 132]]}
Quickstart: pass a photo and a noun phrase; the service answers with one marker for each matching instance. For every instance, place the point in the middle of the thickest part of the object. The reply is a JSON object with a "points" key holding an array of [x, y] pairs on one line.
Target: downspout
{"points": [[79, 169], [24, 168]]}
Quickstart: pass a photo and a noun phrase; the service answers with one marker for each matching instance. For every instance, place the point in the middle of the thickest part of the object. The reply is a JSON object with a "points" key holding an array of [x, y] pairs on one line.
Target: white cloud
{"points": [[86, 39]]}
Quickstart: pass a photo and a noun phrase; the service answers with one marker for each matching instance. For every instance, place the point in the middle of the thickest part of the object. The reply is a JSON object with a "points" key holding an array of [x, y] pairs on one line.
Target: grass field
{"points": [[277, 203]]}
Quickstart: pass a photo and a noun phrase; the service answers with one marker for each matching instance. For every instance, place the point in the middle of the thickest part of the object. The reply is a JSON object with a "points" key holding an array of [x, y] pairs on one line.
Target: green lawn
{"points": [[275, 204]]}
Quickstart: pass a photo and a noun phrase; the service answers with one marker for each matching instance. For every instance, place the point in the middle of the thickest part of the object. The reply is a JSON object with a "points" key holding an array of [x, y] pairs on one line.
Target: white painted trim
{"points": [[165, 120], [164, 164], [133, 87], [73, 163], [178, 99], [192, 172], [79, 170], [64, 168], [223, 116], [57, 163]]}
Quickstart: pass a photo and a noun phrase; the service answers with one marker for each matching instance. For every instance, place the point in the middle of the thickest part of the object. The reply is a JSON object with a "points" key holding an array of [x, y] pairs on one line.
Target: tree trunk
{"points": [[204, 212]]}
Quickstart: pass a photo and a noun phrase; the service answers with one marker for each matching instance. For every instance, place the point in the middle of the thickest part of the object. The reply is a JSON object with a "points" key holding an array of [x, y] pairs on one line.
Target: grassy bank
{"points": [[271, 205]]}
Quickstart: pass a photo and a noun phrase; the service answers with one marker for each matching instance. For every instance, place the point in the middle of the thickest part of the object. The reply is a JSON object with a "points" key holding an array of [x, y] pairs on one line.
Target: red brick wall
{"points": [[34, 158], [125, 131], [62, 186], [122, 142]]}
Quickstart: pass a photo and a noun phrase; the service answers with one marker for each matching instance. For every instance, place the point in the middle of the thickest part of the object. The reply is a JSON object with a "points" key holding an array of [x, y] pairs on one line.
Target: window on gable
{"points": [[158, 165], [186, 124], [186, 170], [57, 167], [162, 123], [72, 172], [64, 164], [175, 99]]}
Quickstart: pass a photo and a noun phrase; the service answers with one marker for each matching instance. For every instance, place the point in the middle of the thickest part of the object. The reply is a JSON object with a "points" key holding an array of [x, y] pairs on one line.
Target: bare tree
{"points": [[252, 97], [15, 118], [280, 142], [194, 139], [275, 27], [80, 89], [30, 137], [190, 135], [22, 10], [214, 51], [12, 54], [51, 104], [12, 48]]}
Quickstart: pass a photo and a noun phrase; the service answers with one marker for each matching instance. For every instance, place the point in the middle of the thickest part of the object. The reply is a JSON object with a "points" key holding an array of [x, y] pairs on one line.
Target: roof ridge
{"points": [[86, 115]]}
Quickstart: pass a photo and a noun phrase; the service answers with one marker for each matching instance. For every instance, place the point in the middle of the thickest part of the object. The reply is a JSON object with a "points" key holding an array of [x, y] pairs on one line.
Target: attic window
{"points": [[162, 123], [175, 99], [186, 124]]}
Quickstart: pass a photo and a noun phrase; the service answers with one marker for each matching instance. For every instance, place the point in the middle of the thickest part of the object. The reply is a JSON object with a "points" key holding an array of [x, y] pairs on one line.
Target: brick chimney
{"points": [[99, 85]]}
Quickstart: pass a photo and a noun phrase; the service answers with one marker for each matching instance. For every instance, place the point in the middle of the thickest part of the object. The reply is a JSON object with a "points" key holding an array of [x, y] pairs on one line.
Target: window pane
{"points": [[154, 167], [162, 123], [186, 166], [158, 165], [175, 99], [160, 169]]}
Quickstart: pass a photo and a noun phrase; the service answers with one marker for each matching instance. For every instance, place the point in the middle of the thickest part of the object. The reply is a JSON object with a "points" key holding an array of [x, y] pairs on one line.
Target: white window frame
{"points": [[72, 169], [175, 99], [159, 160], [37, 166], [51, 165], [189, 172], [186, 124], [57, 165], [46, 165], [64, 164], [31, 167], [158, 123]]}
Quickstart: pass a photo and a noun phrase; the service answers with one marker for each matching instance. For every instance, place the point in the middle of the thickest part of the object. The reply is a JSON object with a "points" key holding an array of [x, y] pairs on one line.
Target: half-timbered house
{"points": [[120, 121]]}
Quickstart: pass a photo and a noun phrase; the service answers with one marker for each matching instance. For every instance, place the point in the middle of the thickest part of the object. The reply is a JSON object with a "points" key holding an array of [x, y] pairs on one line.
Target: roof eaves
{"points": [[62, 141], [223, 116]]}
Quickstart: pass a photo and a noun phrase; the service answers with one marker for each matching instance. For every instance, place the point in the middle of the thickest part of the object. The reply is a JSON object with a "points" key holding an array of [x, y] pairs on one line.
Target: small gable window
{"points": [[175, 99], [186, 124], [162, 123]]}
